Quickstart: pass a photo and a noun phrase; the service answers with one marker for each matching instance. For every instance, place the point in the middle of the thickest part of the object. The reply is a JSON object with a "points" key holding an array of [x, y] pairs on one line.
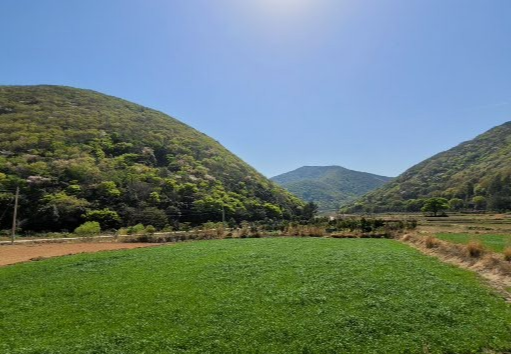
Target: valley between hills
{"points": [[317, 260]]}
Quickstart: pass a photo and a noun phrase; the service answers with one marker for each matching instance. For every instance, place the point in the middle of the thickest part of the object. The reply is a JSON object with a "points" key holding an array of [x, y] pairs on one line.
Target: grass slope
{"points": [[329, 186], [250, 296], [495, 243]]}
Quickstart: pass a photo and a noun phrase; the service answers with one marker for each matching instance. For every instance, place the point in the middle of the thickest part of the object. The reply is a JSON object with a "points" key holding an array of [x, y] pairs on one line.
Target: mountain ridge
{"points": [[475, 168], [329, 186]]}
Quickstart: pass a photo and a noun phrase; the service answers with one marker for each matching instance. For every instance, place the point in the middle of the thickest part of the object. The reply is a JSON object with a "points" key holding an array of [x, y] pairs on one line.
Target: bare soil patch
{"points": [[11, 254]]}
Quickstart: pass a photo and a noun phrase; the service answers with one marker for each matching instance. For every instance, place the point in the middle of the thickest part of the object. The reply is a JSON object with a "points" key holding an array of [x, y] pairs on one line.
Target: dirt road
{"points": [[11, 254]]}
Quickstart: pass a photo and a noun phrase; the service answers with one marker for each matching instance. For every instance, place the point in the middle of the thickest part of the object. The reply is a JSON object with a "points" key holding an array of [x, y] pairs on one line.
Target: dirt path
{"points": [[11, 254]]}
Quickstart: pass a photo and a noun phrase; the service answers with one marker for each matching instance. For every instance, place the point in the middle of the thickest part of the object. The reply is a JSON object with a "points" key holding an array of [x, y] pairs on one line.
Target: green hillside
{"points": [[80, 155], [477, 174], [329, 186]]}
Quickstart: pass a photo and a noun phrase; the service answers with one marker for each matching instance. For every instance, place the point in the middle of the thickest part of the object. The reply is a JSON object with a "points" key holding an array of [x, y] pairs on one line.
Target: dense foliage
{"points": [[475, 175], [291, 296], [82, 156], [330, 186]]}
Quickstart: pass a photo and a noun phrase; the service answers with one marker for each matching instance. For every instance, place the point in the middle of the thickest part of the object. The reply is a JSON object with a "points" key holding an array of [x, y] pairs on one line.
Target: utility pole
{"points": [[223, 215], [15, 215]]}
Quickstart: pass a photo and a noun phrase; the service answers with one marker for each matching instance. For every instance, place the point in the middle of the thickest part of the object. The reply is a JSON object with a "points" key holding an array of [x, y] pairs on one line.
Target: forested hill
{"points": [[474, 175], [80, 155], [329, 186]]}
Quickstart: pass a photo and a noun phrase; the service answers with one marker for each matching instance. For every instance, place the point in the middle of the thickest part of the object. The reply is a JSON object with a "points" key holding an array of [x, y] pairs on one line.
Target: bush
{"points": [[507, 254], [150, 229], [90, 228], [137, 229], [108, 219], [432, 242], [475, 249]]}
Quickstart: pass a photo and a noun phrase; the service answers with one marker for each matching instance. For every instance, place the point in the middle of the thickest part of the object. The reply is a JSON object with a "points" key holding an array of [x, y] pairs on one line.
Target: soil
{"points": [[11, 254]]}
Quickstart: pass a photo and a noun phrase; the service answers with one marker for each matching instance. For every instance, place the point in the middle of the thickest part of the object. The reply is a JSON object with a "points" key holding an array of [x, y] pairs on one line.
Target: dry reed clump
{"points": [[475, 249], [431, 242], [315, 231], [472, 256], [507, 254], [305, 231], [406, 238]]}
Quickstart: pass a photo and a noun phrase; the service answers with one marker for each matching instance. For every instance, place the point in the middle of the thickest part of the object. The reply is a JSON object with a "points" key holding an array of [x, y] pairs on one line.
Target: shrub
{"points": [[432, 242], [89, 228], [220, 231], [315, 231], [167, 228], [108, 219], [137, 229], [150, 229], [244, 231], [475, 249], [507, 254]]}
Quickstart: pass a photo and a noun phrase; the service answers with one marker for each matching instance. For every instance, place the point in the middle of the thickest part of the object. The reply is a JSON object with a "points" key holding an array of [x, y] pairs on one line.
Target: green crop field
{"points": [[250, 296], [496, 243]]}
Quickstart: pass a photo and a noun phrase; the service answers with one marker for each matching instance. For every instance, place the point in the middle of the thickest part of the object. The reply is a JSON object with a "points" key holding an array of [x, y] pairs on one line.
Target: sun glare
{"points": [[286, 7], [284, 10]]}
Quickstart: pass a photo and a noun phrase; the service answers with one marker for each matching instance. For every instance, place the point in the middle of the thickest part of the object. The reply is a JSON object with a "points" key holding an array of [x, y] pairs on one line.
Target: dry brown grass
{"points": [[406, 238], [507, 254], [475, 249], [495, 268], [305, 231], [431, 242]]}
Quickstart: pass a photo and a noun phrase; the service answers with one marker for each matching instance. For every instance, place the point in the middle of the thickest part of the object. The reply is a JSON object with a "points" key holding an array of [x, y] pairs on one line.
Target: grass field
{"points": [[250, 296], [496, 243]]}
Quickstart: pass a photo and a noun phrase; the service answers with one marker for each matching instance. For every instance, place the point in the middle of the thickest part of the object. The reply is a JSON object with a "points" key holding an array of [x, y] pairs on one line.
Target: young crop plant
{"points": [[267, 295]]}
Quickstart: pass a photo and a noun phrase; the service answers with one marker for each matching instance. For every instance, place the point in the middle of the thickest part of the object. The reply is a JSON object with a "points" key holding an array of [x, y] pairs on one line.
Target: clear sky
{"points": [[372, 85]]}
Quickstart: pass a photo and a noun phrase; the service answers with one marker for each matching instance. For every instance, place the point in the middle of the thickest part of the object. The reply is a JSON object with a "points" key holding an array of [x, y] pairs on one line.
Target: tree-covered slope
{"points": [[476, 174], [329, 186], [80, 155]]}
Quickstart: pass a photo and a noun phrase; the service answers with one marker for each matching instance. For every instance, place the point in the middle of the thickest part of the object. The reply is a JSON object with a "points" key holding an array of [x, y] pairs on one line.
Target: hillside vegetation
{"points": [[475, 175], [80, 155], [329, 186]]}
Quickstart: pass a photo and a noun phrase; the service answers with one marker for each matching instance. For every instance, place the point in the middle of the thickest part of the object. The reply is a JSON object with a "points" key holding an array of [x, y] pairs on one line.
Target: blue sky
{"points": [[372, 85]]}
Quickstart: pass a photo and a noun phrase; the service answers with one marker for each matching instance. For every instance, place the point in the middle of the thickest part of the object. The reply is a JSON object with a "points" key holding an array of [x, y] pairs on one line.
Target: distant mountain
{"points": [[79, 155], [329, 186], [476, 173]]}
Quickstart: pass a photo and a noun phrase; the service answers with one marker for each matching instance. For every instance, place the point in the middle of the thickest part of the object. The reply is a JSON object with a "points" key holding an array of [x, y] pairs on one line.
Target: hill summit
{"points": [[473, 175], [329, 186], [80, 155]]}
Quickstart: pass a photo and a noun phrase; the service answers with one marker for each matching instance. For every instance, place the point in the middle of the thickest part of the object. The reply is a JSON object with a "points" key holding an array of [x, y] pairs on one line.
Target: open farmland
{"points": [[250, 296], [467, 223], [495, 243]]}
